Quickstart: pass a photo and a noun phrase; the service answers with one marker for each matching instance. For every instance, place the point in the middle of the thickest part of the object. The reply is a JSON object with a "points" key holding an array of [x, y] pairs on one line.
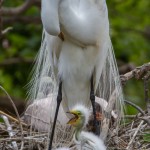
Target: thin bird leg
{"points": [[96, 123], [59, 99]]}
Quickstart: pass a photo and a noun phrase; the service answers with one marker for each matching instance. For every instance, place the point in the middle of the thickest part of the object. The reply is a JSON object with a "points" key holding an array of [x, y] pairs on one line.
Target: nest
{"points": [[133, 134]]}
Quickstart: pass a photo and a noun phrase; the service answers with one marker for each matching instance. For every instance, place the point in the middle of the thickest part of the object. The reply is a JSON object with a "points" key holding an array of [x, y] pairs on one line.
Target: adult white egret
{"points": [[78, 65], [83, 139]]}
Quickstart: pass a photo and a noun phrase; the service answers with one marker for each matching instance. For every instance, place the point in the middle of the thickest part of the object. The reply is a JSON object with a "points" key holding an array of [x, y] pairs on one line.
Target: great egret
{"points": [[83, 139], [79, 65]]}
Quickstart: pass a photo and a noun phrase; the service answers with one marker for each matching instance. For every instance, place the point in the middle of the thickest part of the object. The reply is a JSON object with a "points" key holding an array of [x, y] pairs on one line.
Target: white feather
{"points": [[86, 50], [90, 141], [64, 148], [86, 140], [49, 15]]}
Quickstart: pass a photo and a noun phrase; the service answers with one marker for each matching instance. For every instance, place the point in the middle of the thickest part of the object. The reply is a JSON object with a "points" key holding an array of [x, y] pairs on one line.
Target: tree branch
{"points": [[135, 106], [18, 10], [1, 21], [138, 73], [12, 61], [22, 19]]}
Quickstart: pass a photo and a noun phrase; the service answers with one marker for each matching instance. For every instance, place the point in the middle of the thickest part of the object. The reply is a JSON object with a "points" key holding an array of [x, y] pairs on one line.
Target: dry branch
{"points": [[107, 119], [1, 22], [18, 10], [128, 136], [15, 60], [12, 118], [138, 72], [135, 106], [18, 117], [134, 135]]}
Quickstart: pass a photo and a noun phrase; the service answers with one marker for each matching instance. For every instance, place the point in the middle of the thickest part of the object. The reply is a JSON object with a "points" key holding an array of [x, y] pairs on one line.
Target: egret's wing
{"points": [[44, 80], [107, 79], [93, 141], [43, 91], [49, 16], [108, 82], [40, 113]]}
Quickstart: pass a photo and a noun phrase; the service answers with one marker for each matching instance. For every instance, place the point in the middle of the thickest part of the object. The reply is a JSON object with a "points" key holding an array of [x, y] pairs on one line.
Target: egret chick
{"points": [[79, 120]]}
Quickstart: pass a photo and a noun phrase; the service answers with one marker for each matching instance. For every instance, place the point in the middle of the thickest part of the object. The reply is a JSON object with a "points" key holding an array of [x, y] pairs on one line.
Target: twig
{"points": [[106, 121], [131, 141], [135, 106], [12, 118], [146, 94], [1, 21], [15, 60], [6, 30], [25, 138], [138, 72], [10, 131], [22, 19], [18, 10], [129, 116], [18, 117], [146, 119]]}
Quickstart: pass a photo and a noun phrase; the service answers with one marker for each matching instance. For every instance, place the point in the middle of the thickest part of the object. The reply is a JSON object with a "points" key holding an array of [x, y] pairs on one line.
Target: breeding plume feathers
{"points": [[85, 51]]}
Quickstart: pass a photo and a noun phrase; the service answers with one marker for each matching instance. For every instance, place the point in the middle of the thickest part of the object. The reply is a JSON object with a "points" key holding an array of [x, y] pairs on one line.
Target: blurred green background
{"points": [[130, 32]]}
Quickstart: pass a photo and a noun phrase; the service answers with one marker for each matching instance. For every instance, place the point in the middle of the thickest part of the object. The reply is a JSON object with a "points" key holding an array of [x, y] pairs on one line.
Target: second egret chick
{"points": [[86, 140]]}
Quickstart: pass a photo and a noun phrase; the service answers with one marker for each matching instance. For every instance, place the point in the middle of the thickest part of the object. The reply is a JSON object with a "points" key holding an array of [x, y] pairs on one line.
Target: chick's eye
{"points": [[79, 113]]}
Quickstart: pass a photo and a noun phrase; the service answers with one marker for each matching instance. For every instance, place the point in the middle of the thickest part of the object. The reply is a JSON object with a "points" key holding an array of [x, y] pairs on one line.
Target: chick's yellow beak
{"points": [[74, 119]]}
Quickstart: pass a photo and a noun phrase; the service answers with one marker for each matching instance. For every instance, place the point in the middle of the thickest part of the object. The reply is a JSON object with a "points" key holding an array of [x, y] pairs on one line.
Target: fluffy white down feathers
{"points": [[86, 140]]}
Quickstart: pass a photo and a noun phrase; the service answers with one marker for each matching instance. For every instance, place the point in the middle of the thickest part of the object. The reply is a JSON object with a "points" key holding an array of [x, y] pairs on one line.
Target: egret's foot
{"points": [[96, 125]]}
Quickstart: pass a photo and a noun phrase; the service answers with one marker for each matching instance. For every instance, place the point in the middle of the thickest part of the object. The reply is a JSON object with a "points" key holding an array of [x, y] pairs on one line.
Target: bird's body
{"points": [[83, 139], [84, 52], [85, 28], [90, 141]]}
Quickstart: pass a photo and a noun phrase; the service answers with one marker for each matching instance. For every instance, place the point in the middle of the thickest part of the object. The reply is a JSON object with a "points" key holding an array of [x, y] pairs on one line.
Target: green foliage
{"points": [[146, 137], [22, 43], [130, 26], [129, 20], [130, 32]]}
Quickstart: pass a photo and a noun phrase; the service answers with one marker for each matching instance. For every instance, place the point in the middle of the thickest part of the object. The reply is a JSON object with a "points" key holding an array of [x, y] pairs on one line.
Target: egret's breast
{"points": [[81, 20]]}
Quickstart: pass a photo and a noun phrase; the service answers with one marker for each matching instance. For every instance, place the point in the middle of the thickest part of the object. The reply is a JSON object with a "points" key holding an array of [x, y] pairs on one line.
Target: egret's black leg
{"points": [[59, 99], [92, 98]]}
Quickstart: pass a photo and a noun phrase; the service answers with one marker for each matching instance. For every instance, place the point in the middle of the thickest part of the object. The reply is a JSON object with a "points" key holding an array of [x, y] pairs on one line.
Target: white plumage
{"points": [[91, 142], [63, 148], [84, 140], [85, 51]]}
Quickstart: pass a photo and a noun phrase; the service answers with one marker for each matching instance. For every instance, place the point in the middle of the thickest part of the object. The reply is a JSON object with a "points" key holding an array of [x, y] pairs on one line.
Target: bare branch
{"points": [[135, 106], [18, 10], [6, 30], [137, 130], [21, 128], [12, 118], [22, 19], [106, 121], [1, 21], [12, 61], [138, 73], [146, 93]]}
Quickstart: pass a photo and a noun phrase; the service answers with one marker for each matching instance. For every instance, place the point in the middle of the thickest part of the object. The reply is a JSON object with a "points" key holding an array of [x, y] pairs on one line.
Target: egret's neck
{"points": [[79, 129], [77, 133]]}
